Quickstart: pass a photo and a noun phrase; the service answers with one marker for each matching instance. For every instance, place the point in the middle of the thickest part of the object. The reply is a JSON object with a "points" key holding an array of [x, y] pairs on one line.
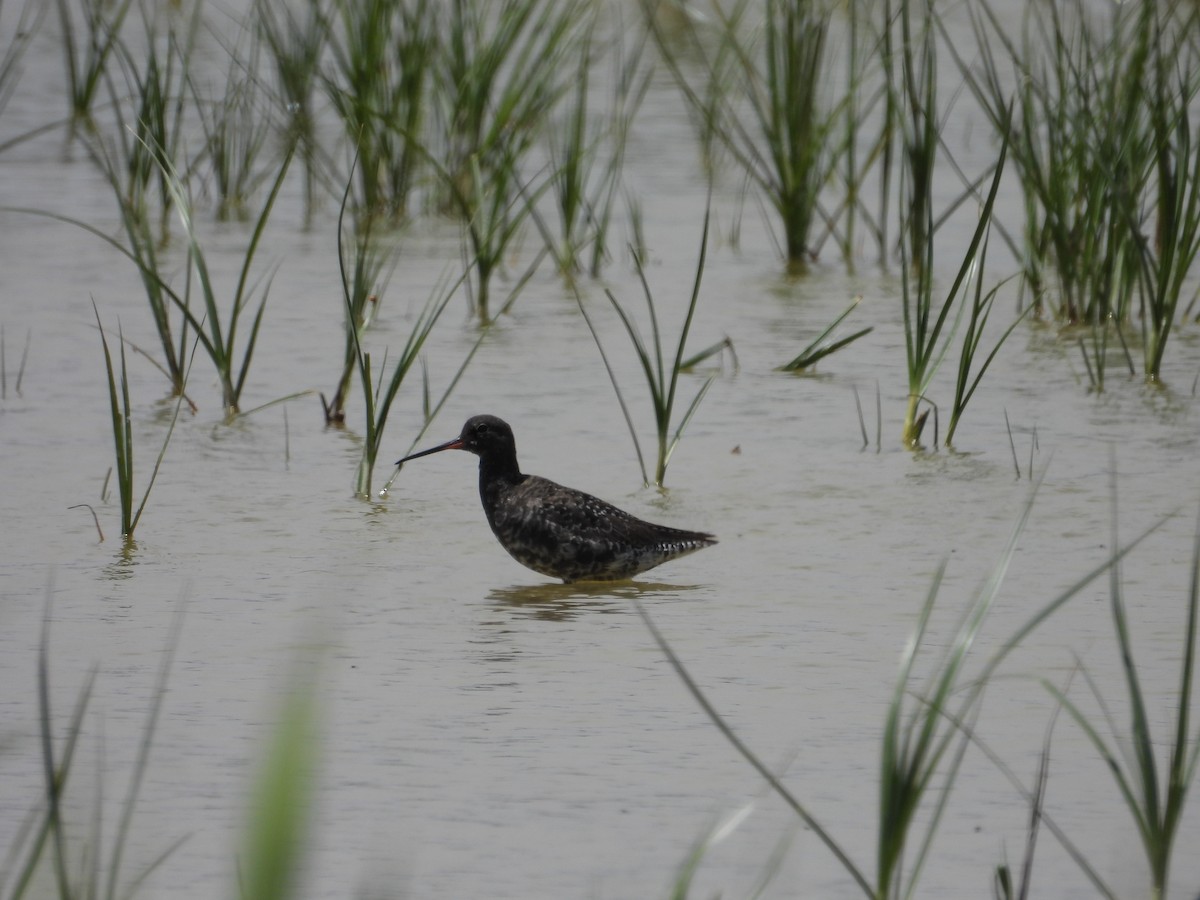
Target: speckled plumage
{"points": [[556, 530]]}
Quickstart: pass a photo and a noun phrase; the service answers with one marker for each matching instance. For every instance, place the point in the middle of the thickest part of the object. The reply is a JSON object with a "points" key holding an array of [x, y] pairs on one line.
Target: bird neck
{"points": [[495, 474]]}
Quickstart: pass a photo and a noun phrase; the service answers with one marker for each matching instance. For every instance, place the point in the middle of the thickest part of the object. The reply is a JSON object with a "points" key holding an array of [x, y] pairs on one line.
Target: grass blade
{"points": [[730, 735], [280, 811]]}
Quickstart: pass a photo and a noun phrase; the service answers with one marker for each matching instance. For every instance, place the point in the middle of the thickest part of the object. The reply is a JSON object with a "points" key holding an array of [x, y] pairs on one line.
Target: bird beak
{"points": [[456, 444]]}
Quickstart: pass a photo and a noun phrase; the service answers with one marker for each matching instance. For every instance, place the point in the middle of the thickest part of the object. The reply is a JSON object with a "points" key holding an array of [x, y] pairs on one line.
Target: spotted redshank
{"points": [[556, 530]]}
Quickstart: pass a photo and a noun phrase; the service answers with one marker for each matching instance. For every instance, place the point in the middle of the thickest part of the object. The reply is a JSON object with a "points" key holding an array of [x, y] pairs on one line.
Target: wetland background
{"points": [[475, 730]]}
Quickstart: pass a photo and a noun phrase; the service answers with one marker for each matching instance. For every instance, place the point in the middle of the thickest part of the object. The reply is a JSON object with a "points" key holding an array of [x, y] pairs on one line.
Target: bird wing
{"points": [[572, 516]]}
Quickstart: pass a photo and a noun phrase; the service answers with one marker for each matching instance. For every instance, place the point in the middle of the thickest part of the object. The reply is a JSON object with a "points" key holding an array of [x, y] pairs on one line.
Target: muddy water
{"points": [[486, 732]]}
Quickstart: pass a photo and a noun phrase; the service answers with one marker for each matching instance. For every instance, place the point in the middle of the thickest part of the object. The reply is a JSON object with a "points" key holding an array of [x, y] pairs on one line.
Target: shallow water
{"points": [[486, 732]]}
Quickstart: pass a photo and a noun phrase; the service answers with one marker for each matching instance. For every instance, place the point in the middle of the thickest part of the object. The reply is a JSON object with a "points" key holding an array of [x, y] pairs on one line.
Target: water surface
{"points": [[486, 732]]}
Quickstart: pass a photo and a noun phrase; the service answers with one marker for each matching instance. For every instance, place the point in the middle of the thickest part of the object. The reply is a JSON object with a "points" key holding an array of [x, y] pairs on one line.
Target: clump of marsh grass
{"points": [[1167, 258], [144, 148], [150, 139], [86, 53], [295, 41], [52, 853], [137, 162], [587, 160], [377, 400], [362, 290], [122, 429], [928, 329], [662, 382], [819, 347], [1073, 136], [494, 219], [920, 129], [383, 57], [863, 128], [1101, 141], [783, 142], [926, 731], [927, 728], [1155, 797], [502, 73], [235, 132], [218, 333], [47, 841], [503, 69]]}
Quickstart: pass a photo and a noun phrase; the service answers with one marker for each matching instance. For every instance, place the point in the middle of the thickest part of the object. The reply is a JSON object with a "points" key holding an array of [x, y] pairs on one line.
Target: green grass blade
{"points": [[1181, 772], [687, 418], [183, 208], [708, 353], [281, 803], [260, 226], [50, 770], [162, 451], [1036, 620], [691, 312], [1034, 799], [897, 784], [142, 761], [612, 377], [813, 354], [127, 441], [658, 376], [122, 449], [431, 410], [248, 353], [654, 381], [379, 409], [780, 789], [1127, 789], [1142, 741], [828, 331]]}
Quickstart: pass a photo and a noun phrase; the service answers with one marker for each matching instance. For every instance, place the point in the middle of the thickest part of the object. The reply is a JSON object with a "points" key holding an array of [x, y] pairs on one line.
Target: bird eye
{"points": [[481, 428]]}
